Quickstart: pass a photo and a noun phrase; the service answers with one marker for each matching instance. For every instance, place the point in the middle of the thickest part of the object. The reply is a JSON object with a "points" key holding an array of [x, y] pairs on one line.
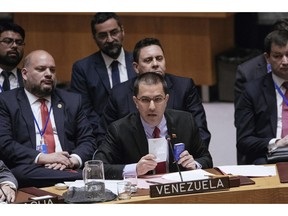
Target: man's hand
{"points": [[9, 192], [145, 164], [55, 158], [187, 161]]}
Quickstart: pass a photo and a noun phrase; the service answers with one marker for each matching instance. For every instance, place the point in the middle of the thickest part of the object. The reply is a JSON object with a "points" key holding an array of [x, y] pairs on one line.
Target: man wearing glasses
{"points": [[12, 43], [94, 76], [125, 147], [149, 56]]}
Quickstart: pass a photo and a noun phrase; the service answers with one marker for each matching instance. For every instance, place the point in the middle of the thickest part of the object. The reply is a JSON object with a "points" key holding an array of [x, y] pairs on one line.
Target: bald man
{"points": [[45, 137]]}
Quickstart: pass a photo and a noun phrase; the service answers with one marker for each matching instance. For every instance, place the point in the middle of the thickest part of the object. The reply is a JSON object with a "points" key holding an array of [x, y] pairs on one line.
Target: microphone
{"points": [[168, 138]]}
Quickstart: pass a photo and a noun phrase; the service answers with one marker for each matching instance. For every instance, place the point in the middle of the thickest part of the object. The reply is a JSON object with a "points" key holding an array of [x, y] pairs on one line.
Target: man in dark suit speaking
{"points": [[45, 136], [125, 147], [149, 56]]}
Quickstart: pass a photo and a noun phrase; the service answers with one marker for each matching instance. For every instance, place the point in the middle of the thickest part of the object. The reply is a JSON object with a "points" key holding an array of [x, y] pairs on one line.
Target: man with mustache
{"points": [[45, 137], [12, 44], [94, 76]]}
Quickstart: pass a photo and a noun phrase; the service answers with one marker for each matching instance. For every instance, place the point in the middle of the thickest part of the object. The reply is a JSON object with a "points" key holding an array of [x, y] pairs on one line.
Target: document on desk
{"points": [[249, 170], [190, 175]]}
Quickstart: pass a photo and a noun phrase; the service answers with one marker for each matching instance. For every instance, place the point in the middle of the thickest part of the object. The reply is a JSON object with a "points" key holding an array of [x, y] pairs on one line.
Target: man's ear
{"points": [[135, 101], [135, 66], [267, 56]]}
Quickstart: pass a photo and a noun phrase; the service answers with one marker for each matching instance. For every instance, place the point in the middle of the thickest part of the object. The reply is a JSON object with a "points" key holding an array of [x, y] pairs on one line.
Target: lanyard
{"points": [[42, 132], [281, 93]]}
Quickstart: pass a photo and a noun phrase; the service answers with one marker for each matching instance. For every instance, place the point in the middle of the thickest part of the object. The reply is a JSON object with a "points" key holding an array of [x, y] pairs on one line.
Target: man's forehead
{"points": [[150, 88], [153, 50]]}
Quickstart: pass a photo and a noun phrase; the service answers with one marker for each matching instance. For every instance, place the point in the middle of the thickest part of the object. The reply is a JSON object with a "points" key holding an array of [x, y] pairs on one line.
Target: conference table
{"points": [[265, 190]]}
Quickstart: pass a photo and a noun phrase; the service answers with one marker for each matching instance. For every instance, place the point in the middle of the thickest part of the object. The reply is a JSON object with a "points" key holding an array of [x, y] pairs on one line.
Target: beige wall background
{"points": [[190, 40]]}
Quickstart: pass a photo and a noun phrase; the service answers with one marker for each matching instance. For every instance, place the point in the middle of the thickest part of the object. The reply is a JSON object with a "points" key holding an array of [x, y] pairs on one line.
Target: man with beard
{"points": [[94, 76], [12, 43], [45, 136]]}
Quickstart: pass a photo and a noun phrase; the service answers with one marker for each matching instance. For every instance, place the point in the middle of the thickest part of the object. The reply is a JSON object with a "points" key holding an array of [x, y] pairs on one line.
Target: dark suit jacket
{"points": [[256, 118], [17, 130], [20, 78], [90, 79], [6, 174], [126, 142], [247, 71]]}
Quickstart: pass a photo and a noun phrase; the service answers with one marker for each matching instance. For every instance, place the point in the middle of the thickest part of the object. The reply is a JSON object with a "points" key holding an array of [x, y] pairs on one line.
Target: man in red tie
{"points": [[261, 124], [125, 148], [45, 137]]}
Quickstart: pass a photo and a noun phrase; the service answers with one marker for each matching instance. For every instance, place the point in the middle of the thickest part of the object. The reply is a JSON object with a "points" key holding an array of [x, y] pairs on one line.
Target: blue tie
{"points": [[115, 73]]}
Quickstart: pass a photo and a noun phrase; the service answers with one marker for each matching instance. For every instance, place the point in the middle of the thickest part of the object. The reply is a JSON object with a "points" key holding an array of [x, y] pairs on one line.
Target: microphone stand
{"points": [[177, 165]]}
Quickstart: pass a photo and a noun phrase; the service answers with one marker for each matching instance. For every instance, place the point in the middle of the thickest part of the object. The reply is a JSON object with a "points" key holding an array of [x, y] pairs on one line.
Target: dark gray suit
{"points": [[18, 137], [126, 142], [90, 79], [256, 119], [6, 174], [247, 71]]}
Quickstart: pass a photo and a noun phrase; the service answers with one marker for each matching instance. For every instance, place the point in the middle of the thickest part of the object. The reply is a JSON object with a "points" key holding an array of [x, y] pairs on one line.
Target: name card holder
{"points": [[190, 187]]}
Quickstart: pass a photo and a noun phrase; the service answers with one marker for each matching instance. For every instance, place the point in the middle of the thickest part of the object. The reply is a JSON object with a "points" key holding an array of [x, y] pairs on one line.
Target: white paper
{"points": [[249, 170], [190, 175], [159, 148]]}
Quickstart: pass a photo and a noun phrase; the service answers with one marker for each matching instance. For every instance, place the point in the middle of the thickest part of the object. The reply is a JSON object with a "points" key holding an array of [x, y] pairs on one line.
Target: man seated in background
{"points": [[45, 136], [125, 147], [261, 113], [255, 67], [8, 184], [149, 56], [12, 42]]}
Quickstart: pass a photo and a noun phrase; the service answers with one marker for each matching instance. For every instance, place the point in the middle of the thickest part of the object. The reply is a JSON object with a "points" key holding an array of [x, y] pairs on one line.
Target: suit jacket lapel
{"points": [[101, 69], [58, 112], [270, 97], [27, 115], [172, 132], [139, 135]]}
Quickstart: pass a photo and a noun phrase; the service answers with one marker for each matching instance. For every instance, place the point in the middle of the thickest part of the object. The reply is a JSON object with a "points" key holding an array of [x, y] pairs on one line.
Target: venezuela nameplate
{"points": [[189, 187]]}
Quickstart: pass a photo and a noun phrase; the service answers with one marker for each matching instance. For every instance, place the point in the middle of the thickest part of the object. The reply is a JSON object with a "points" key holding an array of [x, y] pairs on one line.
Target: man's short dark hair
{"points": [[277, 37], [150, 78], [10, 26], [102, 17], [144, 43]]}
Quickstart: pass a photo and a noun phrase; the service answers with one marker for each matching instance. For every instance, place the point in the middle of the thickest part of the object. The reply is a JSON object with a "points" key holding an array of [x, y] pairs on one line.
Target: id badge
{"points": [[178, 149], [42, 147]]}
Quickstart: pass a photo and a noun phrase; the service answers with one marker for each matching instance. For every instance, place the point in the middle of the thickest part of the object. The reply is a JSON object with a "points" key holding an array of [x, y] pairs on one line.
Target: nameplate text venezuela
{"points": [[189, 187]]}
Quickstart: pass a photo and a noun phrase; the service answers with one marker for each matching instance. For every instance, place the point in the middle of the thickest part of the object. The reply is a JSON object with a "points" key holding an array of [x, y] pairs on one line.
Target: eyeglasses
{"points": [[104, 35], [147, 100], [10, 41]]}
